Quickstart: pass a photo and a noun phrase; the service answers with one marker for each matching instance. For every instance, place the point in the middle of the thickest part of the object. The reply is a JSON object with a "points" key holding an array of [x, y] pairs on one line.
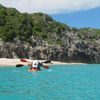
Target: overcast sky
{"points": [[51, 6]]}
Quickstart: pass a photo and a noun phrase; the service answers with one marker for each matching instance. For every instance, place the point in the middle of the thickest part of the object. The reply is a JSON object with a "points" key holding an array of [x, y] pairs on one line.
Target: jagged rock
{"points": [[81, 52]]}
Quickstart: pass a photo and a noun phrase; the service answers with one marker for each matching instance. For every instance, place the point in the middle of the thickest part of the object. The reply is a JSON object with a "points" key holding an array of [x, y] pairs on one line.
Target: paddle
{"points": [[19, 65], [45, 66], [47, 61], [23, 60]]}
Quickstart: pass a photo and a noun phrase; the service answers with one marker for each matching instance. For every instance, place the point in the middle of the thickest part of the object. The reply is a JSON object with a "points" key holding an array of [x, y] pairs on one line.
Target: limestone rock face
{"points": [[74, 50]]}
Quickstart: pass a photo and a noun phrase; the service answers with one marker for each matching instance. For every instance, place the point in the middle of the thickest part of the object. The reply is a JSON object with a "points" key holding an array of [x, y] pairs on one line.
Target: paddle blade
{"points": [[47, 61], [23, 60], [19, 65], [45, 66]]}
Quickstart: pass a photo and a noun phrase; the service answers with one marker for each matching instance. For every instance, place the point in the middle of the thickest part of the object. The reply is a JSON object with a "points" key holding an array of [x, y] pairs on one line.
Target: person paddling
{"points": [[35, 65]]}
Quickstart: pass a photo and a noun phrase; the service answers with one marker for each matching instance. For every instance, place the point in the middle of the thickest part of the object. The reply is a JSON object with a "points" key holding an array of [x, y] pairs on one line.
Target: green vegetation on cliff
{"points": [[25, 27], [14, 24]]}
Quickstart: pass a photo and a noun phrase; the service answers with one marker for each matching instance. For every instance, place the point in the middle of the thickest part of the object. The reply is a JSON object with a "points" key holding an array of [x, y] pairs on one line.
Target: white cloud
{"points": [[51, 6]]}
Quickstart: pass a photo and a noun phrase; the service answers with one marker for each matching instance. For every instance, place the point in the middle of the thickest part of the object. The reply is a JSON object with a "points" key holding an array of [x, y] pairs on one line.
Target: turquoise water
{"points": [[60, 82]]}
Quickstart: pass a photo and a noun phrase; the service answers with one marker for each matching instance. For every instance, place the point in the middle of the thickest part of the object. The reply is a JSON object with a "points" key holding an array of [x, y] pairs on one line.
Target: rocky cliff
{"points": [[74, 50], [38, 36]]}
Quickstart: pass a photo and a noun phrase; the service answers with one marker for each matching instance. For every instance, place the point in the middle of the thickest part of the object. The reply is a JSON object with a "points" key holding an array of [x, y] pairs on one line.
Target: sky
{"points": [[75, 13], [79, 19]]}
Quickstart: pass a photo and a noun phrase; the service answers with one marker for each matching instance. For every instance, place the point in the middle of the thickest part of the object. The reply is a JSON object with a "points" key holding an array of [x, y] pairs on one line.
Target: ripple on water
{"points": [[66, 82]]}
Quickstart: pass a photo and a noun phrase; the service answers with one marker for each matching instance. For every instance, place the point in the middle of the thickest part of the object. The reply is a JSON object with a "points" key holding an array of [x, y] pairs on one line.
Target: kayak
{"points": [[33, 69]]}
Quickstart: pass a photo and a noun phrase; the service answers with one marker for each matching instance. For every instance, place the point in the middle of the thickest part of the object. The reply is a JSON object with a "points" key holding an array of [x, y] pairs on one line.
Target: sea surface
{"points": [[59, 82]]}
